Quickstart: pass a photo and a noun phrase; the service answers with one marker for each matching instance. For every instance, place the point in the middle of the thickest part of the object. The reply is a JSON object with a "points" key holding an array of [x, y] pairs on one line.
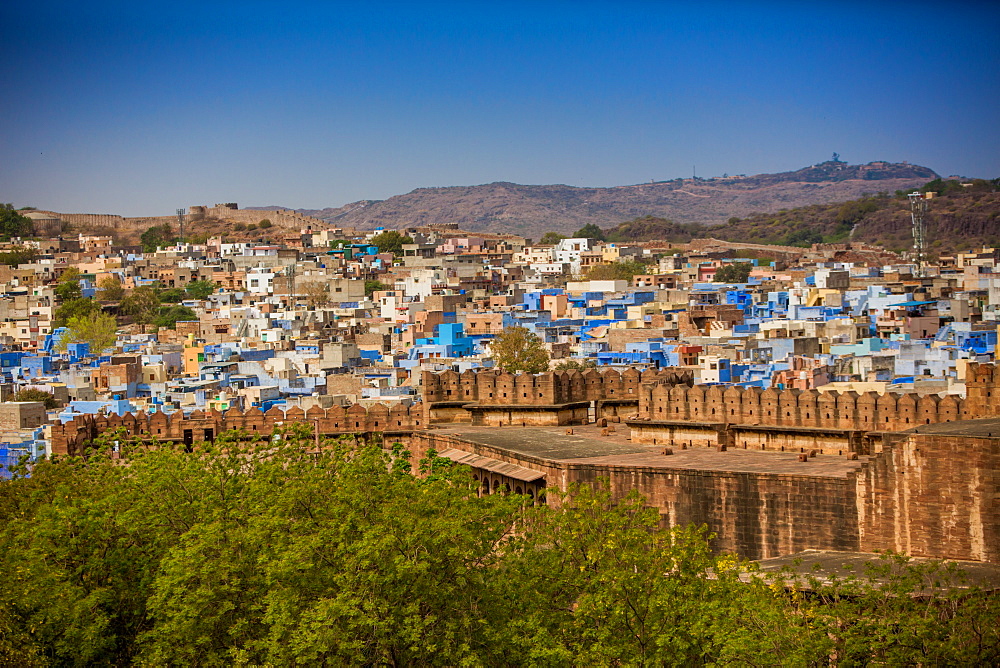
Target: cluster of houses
{"points": [[324, 318]]}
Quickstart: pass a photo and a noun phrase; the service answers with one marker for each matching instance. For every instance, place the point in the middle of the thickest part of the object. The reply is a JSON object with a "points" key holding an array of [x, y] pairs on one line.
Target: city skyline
{"points": [[138, 110]]}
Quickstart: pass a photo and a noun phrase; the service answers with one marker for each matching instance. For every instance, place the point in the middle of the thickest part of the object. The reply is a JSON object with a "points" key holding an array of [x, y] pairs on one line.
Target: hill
{"points": [[960, 216], [531, 210]]}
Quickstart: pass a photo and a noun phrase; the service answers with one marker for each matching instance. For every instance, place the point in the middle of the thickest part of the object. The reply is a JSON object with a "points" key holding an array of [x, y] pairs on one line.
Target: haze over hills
{"points": [[531, 210]]}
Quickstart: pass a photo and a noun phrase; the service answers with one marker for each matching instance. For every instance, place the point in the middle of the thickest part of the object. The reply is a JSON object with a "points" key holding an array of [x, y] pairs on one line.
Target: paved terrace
{"points": [[586, 446]]}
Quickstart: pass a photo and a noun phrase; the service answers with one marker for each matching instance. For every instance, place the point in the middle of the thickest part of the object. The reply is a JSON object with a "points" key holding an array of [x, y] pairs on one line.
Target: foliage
{"points": [[168, 316], [172, 295], [737, 272], [274, 552], [264, 224], [157, 236], [18, 255], [373, 286], [12, 223], [68, 286], [201, 289], [518, 349], [98, 329], [110, 289], [239, 227], [568, 365], [391, 241], [34, 394], [590, 231], [251, 227], [617, 271], [74, 308], [551, 238], [142, 304]]}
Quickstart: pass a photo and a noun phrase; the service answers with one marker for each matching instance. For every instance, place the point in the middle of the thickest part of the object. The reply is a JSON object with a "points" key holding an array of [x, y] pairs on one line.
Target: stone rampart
{"points": [[798, 408], [489, 387], [71, 437]]}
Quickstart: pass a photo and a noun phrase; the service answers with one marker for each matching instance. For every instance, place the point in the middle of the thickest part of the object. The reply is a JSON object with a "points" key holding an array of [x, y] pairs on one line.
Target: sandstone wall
{"points": [[70, 438], [933, 495]]}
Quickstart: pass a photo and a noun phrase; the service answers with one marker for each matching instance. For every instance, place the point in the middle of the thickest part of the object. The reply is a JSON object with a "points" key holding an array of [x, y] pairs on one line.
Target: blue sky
{"points": [[139, 108]]}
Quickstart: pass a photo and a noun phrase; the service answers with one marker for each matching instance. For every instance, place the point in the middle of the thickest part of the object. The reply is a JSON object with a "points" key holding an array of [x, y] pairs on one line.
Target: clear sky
{"points": [[142, 107]]}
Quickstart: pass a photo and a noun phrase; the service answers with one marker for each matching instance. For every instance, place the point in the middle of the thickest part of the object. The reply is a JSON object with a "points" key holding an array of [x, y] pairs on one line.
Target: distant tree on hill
{"points": [[264, 224], [157, 236], [13, 224], [551, 238], [734, 273], [391, 241], [517, 349], [590, 231]]}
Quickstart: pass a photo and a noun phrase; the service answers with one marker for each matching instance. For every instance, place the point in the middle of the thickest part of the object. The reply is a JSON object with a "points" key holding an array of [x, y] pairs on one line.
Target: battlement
{"points": [[488, 387], [71, 437], [799, 408]]}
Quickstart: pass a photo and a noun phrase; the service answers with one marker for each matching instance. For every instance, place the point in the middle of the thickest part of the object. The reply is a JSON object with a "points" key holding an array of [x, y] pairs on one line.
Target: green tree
{"points": [[34, 394], [68, 286], [172, 296], [391, 241], [551, 238], [168, 316], [74, 308], [157, 236], [264, 224], [98, 329], [617, 271], [590, 231], [201, 289], [110, 289], [12, 223], [517, 349], [18, 255], [142, 304], [738, 272], [568, 365], [373, 286]]}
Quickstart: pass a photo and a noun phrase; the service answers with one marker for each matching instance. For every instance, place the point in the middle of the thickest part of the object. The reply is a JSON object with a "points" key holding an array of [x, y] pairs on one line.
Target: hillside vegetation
{"points": [[960, 216], [532, 210]]}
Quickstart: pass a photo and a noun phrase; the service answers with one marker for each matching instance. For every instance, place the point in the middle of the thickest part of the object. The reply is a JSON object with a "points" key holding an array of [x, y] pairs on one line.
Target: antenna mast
{"points": [[918, 208], [180, 223]]}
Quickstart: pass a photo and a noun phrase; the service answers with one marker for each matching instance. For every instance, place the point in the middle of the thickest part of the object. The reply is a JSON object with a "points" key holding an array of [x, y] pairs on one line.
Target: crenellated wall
{"points": [[69, 438], [798, 408], [489, 387]]}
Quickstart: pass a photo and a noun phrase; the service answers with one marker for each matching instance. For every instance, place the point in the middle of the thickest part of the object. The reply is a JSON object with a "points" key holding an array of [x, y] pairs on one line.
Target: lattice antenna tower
{"points": [[180, 223], [918, 209]]}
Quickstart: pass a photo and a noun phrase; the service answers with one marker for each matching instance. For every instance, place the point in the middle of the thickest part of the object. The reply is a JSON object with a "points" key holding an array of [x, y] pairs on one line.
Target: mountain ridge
{"points": [[531, 210]]}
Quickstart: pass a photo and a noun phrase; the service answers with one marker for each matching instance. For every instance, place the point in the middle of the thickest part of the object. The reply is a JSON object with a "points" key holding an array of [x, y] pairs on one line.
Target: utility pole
{"points": [[918, 209]]}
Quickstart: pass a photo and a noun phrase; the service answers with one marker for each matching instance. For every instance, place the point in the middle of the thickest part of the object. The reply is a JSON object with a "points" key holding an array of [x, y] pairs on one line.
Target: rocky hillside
{"points": [[961, 216], [533, 210]]}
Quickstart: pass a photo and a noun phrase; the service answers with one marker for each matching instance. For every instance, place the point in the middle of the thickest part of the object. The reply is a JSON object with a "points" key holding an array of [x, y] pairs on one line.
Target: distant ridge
{"points": [[531, 210]]}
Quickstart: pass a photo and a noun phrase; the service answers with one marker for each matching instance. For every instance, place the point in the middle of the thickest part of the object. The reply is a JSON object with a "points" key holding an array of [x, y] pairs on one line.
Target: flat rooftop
{"points": [[586, 446], [985, 428]]}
